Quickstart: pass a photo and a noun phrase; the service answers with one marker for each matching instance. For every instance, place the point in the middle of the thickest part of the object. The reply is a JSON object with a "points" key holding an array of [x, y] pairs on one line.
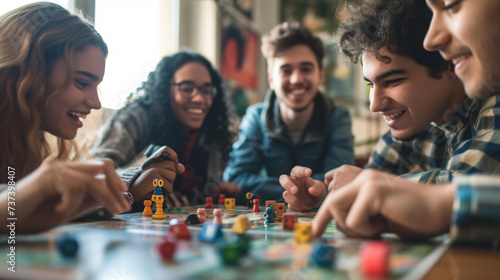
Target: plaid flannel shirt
{"points": [[468, 143]]}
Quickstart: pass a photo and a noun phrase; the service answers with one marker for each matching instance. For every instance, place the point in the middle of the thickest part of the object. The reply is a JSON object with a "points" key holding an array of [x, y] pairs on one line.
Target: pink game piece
{"points": [[217, 216], [202, 215]]}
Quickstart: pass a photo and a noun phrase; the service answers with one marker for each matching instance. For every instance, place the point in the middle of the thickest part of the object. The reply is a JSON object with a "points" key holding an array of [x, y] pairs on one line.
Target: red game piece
{"points": [[256, 205], [217, 216], [202, 215], [289, 219], [222, 199], [180, 230], [166, 247], [209, 202], [374, 256]]}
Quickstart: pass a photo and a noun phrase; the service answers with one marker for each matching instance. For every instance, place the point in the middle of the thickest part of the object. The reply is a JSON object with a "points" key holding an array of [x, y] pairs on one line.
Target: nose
{"points": [[437, 36], [379, 101], [93, 100], [296, 77]]}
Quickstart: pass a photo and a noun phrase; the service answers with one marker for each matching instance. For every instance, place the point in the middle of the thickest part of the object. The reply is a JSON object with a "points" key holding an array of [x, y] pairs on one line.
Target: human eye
{"points": [[450, 6], [286, 72], [186, 88], [394, 82], [81, 83], [207, 90]]}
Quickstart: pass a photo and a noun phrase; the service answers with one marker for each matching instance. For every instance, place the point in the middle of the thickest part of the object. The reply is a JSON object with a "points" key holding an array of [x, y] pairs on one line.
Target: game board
{"points": [[125, 248]]}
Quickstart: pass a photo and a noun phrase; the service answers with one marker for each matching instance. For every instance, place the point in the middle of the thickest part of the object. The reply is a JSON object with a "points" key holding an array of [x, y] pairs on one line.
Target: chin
{"points": [[403, 136]]}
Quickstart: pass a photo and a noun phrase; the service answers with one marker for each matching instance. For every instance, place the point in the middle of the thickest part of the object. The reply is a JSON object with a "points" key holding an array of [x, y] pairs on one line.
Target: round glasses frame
{"points": [[187, 89]]}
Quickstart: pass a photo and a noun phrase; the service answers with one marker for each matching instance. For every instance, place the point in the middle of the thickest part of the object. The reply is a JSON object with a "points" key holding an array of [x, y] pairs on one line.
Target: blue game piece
{"points": [[210, 232], [67, 246], [323, 255], [269, 215]]}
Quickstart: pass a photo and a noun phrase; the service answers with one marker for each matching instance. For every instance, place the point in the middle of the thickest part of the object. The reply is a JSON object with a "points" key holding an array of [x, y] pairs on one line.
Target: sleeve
{"points": [[340, 142], [480, 153], [476, 209], [123, 137], [246, 160]]}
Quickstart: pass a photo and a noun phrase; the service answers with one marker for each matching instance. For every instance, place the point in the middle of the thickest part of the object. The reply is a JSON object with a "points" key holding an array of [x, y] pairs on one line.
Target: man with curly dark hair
{"points": [[296, 124], [182, 105]]}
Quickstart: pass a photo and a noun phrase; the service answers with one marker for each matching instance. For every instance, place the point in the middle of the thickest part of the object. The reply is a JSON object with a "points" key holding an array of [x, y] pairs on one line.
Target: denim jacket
{"points": [[264, 150]]}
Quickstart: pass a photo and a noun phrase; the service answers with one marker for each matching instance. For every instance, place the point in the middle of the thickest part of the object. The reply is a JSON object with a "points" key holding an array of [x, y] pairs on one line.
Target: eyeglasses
{"points": [[186, 89]]}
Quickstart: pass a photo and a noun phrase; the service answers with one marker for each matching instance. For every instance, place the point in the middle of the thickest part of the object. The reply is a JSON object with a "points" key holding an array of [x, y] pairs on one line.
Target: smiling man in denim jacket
{"points": [[296, 124]]}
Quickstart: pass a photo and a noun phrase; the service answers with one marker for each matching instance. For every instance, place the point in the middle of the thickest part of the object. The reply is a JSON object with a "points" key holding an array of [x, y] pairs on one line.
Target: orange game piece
{"points": [[147, 208]]}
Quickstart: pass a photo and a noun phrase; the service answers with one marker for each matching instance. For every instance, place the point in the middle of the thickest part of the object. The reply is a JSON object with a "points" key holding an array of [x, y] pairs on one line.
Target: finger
{"points": [[116, 185], [180, 168], [185, 200], [294, 204], [169, 201], [287, 183], [300, 171], [364, 208], [98, 188], [164, 154], [322, 218], [329, 176], [317, 189]]}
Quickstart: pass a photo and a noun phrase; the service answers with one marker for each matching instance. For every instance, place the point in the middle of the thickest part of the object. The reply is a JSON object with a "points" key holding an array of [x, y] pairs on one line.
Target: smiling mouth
{"points": [[298, 92], [459, 58], [392, 116], [77, 115], [195, 111]]}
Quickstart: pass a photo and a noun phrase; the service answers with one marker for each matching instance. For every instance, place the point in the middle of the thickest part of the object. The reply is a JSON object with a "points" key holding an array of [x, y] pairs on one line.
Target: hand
{"points": [[340, 176], [163, 164], [302, 193], [230, 189], [176, 200], [377, 202], [59, 191]]}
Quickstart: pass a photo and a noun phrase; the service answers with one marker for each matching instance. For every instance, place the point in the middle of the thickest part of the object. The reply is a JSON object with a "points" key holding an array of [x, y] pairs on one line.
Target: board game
{"points": [[125, 248]]}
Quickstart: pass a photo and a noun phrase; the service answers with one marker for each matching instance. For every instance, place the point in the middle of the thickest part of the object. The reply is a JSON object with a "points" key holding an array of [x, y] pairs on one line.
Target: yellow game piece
{"points": [[241, 225], [302, 232], [230, 203], [158, 199], [147, 208]]}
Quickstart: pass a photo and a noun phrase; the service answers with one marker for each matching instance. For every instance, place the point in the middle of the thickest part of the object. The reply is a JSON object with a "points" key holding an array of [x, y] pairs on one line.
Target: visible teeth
{"points": [[392, 116], [77, 114], [457, 59], [298, 91], [195, 111]]}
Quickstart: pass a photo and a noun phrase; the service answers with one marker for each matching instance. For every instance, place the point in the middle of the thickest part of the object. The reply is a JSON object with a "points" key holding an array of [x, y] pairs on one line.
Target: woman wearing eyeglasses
{"points": [[181, 114]]}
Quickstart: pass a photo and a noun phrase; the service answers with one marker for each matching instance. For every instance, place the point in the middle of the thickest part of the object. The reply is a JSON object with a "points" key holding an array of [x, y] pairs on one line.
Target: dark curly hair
{"points": [[399, 26], [154, 95], [287, 35]]}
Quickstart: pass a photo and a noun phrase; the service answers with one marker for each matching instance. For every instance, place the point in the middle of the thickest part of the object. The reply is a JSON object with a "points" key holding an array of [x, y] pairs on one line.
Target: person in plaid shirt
{"points": [[376, 202]]}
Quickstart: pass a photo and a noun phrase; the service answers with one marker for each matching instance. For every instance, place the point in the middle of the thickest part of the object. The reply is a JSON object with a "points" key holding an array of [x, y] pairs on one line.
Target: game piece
{"points": [[147, 208], [273, 203], [256, 205], [230, 203], [241, 225], [302, 232], [192, 219], [230, 252], [249, 197], [67, 246], [202, 215], [209, 202], [218, 216], [167, 246], [279, 209], [222, 199], [374, 258], [289, 219], [269, 215], [210, 232], [323, 255], [180, 230], [158, 199]]}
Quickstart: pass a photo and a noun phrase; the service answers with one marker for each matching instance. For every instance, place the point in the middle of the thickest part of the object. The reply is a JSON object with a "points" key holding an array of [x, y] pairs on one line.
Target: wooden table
{"points": [[461, 262]]}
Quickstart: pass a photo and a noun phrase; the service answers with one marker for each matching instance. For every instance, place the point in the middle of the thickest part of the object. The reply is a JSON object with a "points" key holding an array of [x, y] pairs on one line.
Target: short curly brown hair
{"points": [[399, 26], [287, 35]]}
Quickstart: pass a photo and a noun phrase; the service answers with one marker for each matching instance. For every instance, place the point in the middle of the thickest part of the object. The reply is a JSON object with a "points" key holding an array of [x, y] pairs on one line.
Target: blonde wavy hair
{"points": [[32, 38]]}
